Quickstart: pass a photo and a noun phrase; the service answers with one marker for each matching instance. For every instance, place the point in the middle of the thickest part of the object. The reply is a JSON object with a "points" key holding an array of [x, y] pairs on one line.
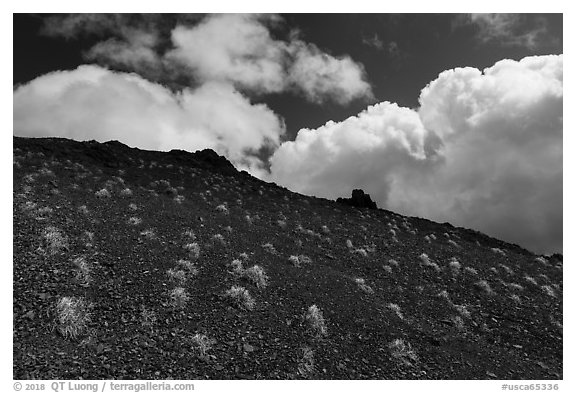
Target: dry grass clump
{"points": [[134, 221], [541, 260], [45, 172], [201, 344], [316, 321], [361, 251], [178, 297], [222, 209], [177, 276], [148, 234], [445, 296], [396, 309], [179, 199], [363, 286], [498, 251], [298, 260], [237, 268], [83, 274], [458, 322], [240, 297], [462, 310], [453, 243], [188, 266], [425, 261], [483, 287], [219, 239], [306, 367], [548, 290], [507, 269], [126, 192], [269, 247], [471, 271], [530, 280], [193, 250], [189, 233], [28, 206], [72, 316], [148, 318], [43, 212], [516, 299], [513, 285], [54, 241], [454, 266], [103, 193], [402, 351], [257, 276]]}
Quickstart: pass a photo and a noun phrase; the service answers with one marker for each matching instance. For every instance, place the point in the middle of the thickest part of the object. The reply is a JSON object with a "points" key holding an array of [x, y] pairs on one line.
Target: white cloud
{"points": [[236, 49], [240, 49], [368, 151], [135, 51], [321, 76], [483, 151], [231, 48], [94, 103], [510, 29]]}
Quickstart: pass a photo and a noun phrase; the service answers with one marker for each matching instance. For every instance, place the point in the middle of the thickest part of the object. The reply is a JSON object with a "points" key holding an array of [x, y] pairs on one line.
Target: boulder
{"points": [[359, 199]]}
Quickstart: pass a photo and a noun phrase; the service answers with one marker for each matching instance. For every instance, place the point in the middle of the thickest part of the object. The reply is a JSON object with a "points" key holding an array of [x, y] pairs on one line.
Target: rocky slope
{"points": [[132, 264]]}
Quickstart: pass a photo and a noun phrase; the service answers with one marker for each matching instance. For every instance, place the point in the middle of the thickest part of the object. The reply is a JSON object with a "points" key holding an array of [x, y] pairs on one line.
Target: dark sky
{"points": [[414, 49]]}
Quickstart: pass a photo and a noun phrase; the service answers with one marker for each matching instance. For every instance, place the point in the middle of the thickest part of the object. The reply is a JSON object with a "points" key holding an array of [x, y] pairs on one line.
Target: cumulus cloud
{"points": [[92, 102], [232, 48], [240, 49], [237, 49], [321, 76], [135, 52], [484, 151], [128, 41], [369, 151]]}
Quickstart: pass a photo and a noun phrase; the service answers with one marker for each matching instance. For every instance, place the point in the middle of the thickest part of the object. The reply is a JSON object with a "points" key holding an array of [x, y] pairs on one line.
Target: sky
{"points": [[453, 117]]}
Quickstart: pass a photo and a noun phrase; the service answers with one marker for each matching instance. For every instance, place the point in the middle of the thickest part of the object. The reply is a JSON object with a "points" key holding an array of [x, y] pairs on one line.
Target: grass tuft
{"points": [[193, 250], [176, 276], [316, 321], [306, 367], [72, 316], [83, 273], [298, 260], [201, 344], [241, 297], [363, 286], [178, 297], [402, 351], [103, 193], [397, 310], [257, 276], [188, 266], [54, 241], [134, 221], [484, 287]]}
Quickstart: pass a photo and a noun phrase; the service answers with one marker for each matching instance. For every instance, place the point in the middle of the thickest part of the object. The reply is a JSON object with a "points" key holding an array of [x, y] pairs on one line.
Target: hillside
{"points": [[132, 264]]}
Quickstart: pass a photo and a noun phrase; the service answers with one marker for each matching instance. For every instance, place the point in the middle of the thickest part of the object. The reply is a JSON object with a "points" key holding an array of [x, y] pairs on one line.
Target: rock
{"points": [[359, 199]]}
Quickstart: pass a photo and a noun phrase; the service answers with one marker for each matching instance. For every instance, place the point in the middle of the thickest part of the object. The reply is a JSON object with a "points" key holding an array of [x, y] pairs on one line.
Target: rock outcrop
{"points": [[359, 199]]}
